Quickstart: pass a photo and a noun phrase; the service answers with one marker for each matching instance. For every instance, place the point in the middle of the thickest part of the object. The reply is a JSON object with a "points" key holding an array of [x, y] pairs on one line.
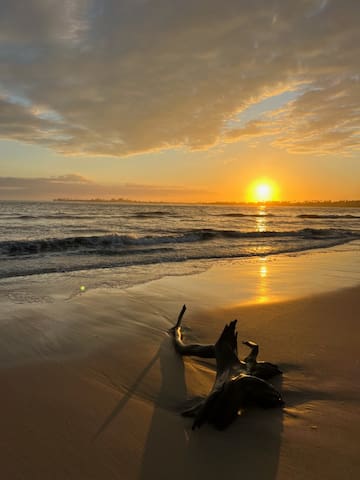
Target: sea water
{"points": [[117, 244]]}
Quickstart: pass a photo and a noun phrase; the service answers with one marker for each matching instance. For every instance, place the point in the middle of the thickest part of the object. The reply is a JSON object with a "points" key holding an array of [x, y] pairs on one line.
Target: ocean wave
{"points": [[308, 233], [86, 230], [158, 213], [70, 216], [242, 215], [330, 216], [54, 216], [146, 215], [111, 260], [115, 241]]}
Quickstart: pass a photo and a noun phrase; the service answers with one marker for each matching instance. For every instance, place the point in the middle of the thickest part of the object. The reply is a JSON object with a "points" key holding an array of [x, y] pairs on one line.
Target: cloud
{"points": [[71, 178], [78, 187], [323, 120], [121, 78], [254, 128]]}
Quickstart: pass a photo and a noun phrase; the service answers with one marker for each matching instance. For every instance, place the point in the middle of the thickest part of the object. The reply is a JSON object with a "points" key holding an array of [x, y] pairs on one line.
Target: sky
{"points": [[179, 100]]}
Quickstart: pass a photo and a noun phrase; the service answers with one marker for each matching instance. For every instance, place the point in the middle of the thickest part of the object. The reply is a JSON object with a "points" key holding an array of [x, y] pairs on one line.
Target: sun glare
{"points": [[262, 191]]}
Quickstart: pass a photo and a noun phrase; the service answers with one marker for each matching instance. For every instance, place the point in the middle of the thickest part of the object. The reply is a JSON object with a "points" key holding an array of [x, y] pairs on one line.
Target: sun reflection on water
{"points": [[263, 290], [261, 219], [263, 271]]}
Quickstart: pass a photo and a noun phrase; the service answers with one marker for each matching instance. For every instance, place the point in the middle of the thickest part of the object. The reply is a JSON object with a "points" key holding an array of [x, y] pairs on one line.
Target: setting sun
{"points": [[262, 191]]}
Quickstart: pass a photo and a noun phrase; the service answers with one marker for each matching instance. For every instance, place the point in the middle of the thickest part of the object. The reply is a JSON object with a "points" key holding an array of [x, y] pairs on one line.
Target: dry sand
{"points": [[92, 388]]}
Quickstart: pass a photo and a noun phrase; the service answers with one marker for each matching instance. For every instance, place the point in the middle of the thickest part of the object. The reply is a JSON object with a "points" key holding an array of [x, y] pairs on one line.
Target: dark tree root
{"points": [[238, 383]]}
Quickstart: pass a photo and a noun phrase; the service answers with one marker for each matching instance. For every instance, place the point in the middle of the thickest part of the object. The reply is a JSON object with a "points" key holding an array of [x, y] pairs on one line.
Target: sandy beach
{"points": [[91, 387]]}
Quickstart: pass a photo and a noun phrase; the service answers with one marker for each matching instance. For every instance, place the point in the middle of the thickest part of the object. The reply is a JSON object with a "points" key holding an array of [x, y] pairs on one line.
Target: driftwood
{"points": [[238, 383]]}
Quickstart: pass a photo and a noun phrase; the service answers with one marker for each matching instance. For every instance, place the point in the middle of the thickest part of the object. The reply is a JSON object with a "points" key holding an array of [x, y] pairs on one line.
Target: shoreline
{"points": [[50, 317], [63, 285]]}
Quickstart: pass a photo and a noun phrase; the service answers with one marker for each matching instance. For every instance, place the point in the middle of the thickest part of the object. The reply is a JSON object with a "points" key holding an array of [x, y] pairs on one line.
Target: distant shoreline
{"points": [[315, 203]]}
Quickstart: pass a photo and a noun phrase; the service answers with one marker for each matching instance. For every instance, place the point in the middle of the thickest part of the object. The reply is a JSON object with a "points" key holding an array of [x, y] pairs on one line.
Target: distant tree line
{"points": [[311, 203]]}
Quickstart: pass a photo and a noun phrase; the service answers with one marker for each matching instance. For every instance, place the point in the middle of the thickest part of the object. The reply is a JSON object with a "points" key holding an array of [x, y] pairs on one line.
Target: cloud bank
{"points": [[78, 187], [119, 78]]}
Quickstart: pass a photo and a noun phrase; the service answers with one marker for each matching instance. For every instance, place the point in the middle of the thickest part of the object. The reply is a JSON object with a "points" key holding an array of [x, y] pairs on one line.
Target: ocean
{"points": [[140, 242]]}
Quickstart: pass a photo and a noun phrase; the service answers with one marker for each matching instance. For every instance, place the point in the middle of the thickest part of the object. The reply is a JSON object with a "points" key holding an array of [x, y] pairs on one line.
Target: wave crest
{"points": [[115, 241], [329, 216]]}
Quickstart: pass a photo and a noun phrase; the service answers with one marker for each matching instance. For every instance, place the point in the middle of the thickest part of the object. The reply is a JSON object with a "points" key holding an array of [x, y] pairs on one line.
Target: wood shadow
{"points": [[115, 412], [250, 446]]}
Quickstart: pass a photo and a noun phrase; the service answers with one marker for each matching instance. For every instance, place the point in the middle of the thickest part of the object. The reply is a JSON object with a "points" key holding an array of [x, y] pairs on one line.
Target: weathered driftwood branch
{"points": [[238, 384], [204, 351]]}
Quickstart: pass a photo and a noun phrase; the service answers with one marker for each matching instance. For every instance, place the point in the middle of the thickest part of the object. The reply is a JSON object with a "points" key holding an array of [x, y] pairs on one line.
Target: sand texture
{"points": [[112, 411]]}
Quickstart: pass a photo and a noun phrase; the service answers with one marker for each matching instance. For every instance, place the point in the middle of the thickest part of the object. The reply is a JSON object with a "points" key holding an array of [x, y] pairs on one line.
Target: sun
{"points": [[262, 191]]}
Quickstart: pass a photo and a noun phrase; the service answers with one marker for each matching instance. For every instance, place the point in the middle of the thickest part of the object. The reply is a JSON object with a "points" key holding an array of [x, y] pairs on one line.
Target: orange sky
{"points": [[179, 101]]}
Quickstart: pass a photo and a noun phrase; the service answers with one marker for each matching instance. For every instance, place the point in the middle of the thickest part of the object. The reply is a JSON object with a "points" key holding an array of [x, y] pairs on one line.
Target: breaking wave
{"points": [[97, 243]]}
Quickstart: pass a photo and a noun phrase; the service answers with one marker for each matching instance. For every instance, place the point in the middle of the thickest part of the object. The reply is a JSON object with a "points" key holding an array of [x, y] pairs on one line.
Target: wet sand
{"points": [[91, 387]]}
